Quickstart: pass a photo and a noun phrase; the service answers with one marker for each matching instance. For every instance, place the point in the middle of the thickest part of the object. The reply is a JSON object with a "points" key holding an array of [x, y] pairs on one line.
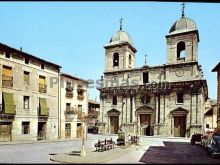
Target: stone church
{"points": [[167, 99]]}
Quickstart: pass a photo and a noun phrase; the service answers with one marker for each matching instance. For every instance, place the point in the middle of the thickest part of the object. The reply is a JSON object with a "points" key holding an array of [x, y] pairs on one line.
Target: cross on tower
{"points": [[145, 62], [183, 6], [121, 23]]}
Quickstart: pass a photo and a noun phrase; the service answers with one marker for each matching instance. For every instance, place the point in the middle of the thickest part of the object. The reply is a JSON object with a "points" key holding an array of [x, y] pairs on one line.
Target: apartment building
{"points": [[29, 97], [73, 105]]}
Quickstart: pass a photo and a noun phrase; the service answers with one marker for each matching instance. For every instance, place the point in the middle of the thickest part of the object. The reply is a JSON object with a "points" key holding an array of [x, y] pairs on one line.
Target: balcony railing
{"points": [[69, 94], [42, 88], [7, 81], [80, 97], [70, 111]]}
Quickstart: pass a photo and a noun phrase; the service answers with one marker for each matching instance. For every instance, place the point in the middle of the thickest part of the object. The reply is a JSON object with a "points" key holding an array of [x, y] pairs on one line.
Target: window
{"points": [[115, 59], [207, 125], [180, 50], [7, 54], [42, 66], [42, 84], [179, 97], [26, 61], [79, 109], [114, 100], [25, 128], [68, 83], [130, 59], [7, 79], [145, 77], [26, 102], [26, 77], [68, 106]]}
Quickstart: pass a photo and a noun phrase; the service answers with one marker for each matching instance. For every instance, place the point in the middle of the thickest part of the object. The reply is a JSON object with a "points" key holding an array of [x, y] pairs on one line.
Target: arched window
{"points": [[130, 59], [115, 59], [181, 50]]}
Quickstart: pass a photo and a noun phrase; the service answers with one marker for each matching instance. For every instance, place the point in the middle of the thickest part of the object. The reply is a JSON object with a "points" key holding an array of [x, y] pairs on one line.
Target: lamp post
{"points": [[83, 151]]}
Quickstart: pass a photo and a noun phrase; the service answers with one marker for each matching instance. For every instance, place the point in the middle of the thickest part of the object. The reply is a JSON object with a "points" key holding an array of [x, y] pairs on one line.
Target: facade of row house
{"points": [[210, 115], [74, 106], [93, 115], [28, 101], [217, 69], [167, 99]]}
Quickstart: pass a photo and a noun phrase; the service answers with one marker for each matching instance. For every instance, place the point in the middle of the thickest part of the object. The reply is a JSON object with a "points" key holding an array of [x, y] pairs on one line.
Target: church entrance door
{"points": [[145, 124], [179, 126], [114, 124]]}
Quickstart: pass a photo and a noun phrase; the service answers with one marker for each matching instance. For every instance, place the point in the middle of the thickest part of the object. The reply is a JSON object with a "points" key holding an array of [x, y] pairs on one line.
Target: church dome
{"points": [[121, 36], [183, 25]]}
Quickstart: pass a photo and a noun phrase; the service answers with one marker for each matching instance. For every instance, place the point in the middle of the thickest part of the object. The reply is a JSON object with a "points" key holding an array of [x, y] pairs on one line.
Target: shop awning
{"points": [[9, 106]]}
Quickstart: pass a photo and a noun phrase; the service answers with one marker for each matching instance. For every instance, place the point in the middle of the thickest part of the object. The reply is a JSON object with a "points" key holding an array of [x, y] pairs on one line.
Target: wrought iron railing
{"points": [[7, 81], [70, 111], [42, 88], [80, 97]]}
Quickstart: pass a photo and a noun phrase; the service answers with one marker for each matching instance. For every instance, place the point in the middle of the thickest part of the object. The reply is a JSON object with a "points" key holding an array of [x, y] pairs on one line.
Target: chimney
{"points": [[20, 48]]}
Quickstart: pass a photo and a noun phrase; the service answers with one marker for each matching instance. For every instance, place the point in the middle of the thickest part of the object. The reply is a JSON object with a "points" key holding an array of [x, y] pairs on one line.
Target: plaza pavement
{"points": [[120, 154]]}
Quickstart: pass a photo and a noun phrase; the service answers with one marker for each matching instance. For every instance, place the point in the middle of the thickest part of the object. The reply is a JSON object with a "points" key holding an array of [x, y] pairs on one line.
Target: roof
{"points": [[120, 37], [93, 102], [152, 67], [73, 77], [216, 68], [182, 25], [28, 55]]}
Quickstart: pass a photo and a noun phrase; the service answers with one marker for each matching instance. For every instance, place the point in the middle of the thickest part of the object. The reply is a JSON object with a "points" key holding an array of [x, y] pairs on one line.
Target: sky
{"points": [[72, 34]]}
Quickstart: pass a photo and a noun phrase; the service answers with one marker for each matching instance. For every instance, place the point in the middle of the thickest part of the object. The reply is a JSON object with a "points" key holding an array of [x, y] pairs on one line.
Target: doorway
{"points": [[145, 124], [41, 134], [179, 126], [5, 131], [114, 124], [79, 131], [67, 130]]}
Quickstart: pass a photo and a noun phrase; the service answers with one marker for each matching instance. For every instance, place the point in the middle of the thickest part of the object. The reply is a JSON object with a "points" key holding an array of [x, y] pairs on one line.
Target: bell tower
{"points": [[120, 52], [182, 41]]}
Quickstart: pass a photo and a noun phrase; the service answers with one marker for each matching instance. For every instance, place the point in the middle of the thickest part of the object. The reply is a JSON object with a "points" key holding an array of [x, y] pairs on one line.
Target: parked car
{"points": [[213, 148], [196, 138]]}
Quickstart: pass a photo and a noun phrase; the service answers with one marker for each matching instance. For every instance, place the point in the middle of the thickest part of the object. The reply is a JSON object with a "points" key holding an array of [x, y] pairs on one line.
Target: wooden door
{"points": [[182, 126], [79, 130], [179, 126], [145, 124], [42, 131], [114, 124], [5, 131], [67, 130]]}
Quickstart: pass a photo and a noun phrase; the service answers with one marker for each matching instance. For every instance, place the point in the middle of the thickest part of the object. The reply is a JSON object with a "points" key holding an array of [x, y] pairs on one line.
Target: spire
{"points": [[183, 6], [121, 23]]}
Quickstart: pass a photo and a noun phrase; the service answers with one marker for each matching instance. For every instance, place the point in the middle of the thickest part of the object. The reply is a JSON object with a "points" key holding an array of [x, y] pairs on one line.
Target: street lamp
{"points": [[83, 151]]}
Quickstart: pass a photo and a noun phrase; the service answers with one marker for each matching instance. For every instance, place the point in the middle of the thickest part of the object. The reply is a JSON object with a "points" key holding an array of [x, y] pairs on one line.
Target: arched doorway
{"points": [[179, 115], [145, 116], [113, 121]]}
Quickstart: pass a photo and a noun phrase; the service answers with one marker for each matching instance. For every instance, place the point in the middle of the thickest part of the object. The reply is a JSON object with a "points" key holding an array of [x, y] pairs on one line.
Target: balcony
{"points": [[70, 111], [7, 81], [42, 88], [80, 97], [69, 91]]}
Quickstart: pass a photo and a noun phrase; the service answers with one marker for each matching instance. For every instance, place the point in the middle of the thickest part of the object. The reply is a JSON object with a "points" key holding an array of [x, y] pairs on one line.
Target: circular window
{"points": [[145, 99]]}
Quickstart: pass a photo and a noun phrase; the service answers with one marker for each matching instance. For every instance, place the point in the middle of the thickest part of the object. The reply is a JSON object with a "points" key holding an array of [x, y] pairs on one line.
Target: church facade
{"points": [[167, 99]]}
